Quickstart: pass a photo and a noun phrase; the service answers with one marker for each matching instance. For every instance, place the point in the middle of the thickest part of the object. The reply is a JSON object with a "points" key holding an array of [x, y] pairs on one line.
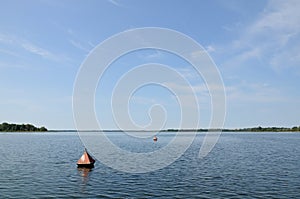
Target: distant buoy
{"points": [[154, 138]]}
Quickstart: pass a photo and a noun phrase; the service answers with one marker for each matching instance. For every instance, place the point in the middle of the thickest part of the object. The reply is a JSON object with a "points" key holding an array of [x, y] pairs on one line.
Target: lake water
{"points": [[242, 165]]}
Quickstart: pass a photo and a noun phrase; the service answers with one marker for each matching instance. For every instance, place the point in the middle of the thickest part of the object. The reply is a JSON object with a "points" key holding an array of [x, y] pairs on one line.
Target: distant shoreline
{"points": [[6, 127], [254, 129]]}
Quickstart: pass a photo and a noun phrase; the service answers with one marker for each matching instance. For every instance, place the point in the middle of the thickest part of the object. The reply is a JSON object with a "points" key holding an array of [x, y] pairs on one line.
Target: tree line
{"points": [[6, 127], [254, 129], [267, 129]]}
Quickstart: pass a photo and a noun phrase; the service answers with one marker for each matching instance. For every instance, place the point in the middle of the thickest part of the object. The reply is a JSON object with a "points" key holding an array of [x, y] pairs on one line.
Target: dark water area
{"points": [[242, 165]]}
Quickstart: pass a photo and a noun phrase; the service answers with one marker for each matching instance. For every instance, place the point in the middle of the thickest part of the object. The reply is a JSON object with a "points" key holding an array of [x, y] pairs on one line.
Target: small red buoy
{"points": [[86, 160], [154, 138]]}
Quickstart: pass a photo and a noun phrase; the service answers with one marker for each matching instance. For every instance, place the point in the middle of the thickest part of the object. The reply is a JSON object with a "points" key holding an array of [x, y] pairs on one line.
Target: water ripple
{"points": [[240, 166]]}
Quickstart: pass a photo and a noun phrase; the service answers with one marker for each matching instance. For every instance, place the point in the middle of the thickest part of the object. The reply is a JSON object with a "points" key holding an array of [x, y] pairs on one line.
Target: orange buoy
{"points": [[86, 160], [154, 138]]}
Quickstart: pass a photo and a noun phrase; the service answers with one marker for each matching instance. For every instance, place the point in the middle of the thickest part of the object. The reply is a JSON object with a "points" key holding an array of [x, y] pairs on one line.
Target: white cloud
{"points": [[114, 2], [75, 41], [17, 43], [150, 55], [198, 89], [144, 100], [245, 93], [210, 49], [91, 44], [79, 46], [37, 50], [280, 17], [273, 38], [188, 73], [197, 54]]}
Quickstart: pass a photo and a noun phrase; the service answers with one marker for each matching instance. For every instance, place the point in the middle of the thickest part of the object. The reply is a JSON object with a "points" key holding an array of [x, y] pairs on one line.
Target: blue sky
{"points": [[255, 45]]}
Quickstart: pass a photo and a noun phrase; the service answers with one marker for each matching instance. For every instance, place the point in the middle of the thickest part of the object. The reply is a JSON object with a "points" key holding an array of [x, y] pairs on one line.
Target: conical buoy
{"points": [[86, 160]]}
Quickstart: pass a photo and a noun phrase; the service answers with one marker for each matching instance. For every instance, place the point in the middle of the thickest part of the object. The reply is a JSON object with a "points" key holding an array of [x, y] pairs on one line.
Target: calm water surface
{"points": [[242, 165]]}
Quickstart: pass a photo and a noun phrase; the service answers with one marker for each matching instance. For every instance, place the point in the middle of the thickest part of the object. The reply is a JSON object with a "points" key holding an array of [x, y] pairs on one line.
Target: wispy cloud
{"points": [[92, 45], [30, 47], [198, 89], [150, 55], [78, 45], [245, 93], [188, 73], [16, 43], [210, 49], [273, 38], [114, 2], [145, 100]]}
